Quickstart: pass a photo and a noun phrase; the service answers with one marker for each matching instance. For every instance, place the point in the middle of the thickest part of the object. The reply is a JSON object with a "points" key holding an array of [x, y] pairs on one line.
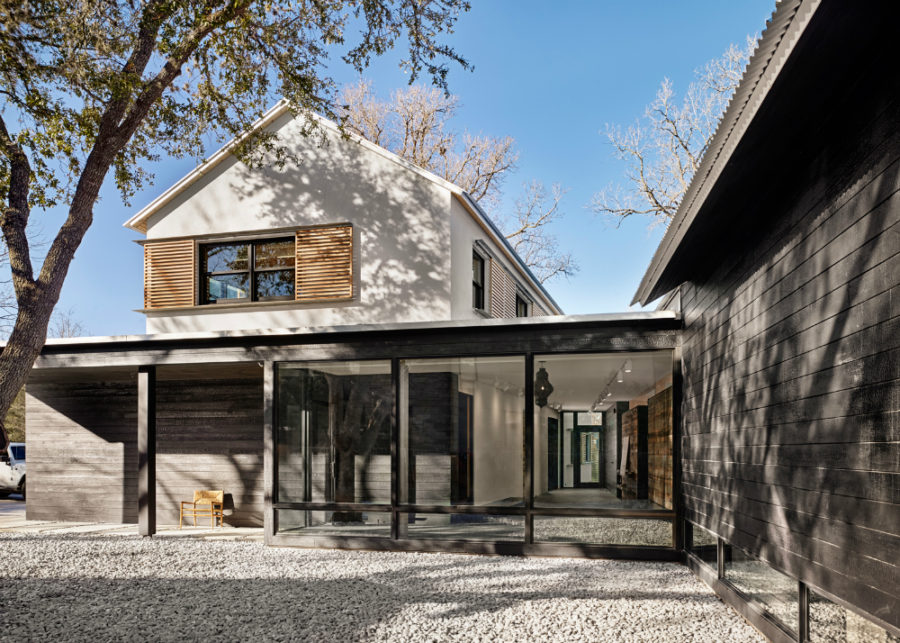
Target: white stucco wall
{"points": [[402, 259], [465, 231]]}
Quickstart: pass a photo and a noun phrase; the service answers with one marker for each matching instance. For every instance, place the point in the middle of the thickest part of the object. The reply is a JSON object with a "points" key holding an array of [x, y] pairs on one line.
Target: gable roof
{"points": [[783, 30], [138, 222]]}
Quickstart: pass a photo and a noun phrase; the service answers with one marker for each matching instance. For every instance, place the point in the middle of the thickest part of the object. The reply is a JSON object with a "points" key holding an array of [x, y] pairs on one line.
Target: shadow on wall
{"points": [[796, 373], [82, 447], [210, 436], [401, 221]]}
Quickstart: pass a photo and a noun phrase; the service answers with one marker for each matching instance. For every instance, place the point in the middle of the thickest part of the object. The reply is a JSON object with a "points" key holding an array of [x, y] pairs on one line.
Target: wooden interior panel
{"points": [[170, 269], [325, 263], [659, 448]]}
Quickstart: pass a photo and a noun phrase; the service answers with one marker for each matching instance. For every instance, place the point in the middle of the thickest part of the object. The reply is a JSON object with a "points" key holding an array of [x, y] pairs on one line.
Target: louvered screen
{"points": [[325, 263], [170, 270], [503, 292]]}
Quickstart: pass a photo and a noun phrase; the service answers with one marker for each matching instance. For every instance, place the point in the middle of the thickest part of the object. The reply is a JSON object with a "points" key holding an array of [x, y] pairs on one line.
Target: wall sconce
{"points": [[542, 387], [620, 376], [627, 365]]}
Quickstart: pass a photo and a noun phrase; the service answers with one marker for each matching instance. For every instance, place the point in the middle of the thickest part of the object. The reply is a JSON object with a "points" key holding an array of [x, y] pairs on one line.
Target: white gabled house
{"points": [[345, 233]]}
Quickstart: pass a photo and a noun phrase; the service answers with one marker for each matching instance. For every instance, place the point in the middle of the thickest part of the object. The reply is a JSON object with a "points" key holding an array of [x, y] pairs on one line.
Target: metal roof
{"points": [[782, 32]]}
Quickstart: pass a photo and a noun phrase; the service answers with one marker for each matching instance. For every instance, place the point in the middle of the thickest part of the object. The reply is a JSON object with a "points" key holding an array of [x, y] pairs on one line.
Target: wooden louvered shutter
{"points": [[503, 292], [170, 269], [325, 263]]}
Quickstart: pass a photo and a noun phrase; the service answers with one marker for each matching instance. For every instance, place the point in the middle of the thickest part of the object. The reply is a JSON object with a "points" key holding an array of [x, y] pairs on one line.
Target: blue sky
{"points": [[549, 74]]}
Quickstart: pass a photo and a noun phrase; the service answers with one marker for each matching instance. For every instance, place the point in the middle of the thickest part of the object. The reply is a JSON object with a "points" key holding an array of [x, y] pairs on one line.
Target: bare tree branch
{"points": [[662, 150]]}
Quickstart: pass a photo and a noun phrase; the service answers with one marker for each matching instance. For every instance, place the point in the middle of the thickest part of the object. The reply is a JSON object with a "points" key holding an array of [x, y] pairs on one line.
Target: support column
{"points": [[146, 444], [528, 476], [269, 451]]}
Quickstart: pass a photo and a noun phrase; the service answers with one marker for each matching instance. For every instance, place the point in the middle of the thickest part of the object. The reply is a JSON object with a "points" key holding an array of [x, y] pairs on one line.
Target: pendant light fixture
{"points": [[542, 387]]}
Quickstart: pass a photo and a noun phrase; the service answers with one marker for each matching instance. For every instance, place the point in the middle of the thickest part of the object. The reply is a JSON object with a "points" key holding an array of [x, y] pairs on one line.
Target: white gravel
{"points": [[103, 588]]}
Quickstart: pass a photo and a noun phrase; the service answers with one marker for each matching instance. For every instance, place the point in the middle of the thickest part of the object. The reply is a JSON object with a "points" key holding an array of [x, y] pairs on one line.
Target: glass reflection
{"points": [[778, 593], [227, 257], [476, 527], [461, 431], [334, 433], [275, 284], [603, 531]]}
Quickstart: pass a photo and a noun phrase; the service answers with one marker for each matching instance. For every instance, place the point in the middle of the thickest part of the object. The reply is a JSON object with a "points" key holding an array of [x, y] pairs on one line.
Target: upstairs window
{"points": [[521, 306], [263, 270], [477, 281]]}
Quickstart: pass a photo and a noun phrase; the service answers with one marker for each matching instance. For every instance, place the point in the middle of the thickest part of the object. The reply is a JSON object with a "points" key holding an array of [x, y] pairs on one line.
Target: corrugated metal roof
{"points": [[787, 23]]}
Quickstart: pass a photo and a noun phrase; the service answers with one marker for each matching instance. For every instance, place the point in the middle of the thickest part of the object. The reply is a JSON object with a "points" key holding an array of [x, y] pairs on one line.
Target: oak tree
{"points": [[92, 88]]}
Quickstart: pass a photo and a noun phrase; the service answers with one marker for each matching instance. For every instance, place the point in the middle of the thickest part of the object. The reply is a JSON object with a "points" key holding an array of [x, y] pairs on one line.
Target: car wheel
{"points": [[22, 489], [4, 494]]}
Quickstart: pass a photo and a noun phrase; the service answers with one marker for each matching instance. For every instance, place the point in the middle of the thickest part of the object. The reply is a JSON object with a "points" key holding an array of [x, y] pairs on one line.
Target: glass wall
{"points": [[462, 431], [603, 439], [333, 440], [779, 594], [453, 462]]}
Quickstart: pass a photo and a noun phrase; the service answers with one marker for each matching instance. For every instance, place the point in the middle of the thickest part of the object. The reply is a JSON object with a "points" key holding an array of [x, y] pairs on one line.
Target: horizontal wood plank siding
{"points": [[170, 273], [82, 451], [791, 364], [324, 263], [210, 436]]}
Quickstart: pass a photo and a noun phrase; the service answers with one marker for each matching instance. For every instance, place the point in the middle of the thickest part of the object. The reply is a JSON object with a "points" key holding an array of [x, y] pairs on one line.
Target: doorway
{"points": [[586, 457]]}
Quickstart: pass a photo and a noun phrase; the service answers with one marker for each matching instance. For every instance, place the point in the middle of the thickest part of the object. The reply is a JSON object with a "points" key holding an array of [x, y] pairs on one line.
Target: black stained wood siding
{"points": [[791, 365], [210, 436], [82, 450]]}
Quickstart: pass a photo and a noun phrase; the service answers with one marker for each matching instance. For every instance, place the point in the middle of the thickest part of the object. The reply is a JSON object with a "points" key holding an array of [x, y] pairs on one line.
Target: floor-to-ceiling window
{"points": [[539, 450]]}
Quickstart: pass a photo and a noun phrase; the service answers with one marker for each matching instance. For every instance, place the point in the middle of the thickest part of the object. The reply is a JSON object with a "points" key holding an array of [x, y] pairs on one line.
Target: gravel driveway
{"points": [[103, 588]]}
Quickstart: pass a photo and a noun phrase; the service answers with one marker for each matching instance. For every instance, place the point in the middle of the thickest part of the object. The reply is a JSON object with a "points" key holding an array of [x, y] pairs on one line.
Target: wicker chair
{"points": [[205, 503]]}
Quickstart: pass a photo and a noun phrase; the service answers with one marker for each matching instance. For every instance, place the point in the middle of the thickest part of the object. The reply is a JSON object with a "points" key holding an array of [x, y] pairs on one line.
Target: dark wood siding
{"points": [[210, 436], [82, 450], [791, 364]]}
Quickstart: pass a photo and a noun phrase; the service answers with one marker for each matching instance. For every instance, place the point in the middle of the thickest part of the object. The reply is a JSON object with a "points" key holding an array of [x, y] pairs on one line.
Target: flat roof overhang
{"points": [[815, 80], [569, 333]]}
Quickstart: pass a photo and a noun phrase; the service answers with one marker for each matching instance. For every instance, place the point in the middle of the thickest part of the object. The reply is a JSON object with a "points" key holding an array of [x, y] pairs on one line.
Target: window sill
{"points": [[291, 303], [482, 312]]}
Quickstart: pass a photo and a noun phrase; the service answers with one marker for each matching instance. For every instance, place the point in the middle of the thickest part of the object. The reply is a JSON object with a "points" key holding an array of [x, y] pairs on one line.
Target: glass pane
{"points": [[778, 593], [275, 284], [334, 432], [274, 254], [462, 527], [590, 419], [334, 523], [461, 431], [477, 270], [604, 439], [703, 544], [603, 531], [227, 287], [227, 257], [836, 624]]}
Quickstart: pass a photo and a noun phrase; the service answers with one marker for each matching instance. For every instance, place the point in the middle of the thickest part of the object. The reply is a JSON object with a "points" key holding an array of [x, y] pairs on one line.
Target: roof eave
{"points": [[788, 22]]}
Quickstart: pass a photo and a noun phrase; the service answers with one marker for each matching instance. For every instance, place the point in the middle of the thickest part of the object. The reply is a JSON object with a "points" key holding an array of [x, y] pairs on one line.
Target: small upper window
{"points": [[261, 270], [521, 306], [477, 281]]}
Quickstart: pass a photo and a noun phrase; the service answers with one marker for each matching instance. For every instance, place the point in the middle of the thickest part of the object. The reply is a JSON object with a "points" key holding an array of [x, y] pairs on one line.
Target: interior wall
{"points": [[498, 429]]}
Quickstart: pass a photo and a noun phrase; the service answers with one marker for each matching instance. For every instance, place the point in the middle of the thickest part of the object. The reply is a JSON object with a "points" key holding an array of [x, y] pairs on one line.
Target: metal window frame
{"points": [[251, 271], [399, 541]]}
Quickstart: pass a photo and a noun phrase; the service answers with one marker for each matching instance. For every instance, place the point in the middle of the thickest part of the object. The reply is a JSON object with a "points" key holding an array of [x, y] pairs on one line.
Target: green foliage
{"points": [[81, 77], [15, 419]]}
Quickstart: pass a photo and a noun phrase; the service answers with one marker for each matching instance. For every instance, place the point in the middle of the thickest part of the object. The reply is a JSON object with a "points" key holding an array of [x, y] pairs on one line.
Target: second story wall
{"points": [[400, 268]]}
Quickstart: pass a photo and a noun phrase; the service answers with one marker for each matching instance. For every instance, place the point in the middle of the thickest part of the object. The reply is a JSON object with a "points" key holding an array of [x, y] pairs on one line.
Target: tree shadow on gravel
{"points": [[324, 596]]}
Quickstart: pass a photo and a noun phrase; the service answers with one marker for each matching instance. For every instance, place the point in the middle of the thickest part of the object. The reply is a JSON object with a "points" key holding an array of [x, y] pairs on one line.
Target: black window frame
{"points": [[251, 270], [478, 289], [526, 305]]}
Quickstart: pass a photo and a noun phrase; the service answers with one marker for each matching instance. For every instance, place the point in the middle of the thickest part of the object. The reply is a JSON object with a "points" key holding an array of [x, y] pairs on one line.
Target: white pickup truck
{"points": [[12, 470]]}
